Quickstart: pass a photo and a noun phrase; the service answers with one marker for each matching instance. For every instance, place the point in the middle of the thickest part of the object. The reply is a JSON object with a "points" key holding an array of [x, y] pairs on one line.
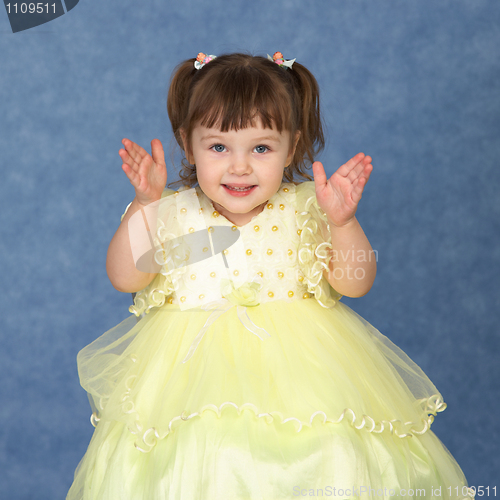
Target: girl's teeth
{"points": [[240, 189]]}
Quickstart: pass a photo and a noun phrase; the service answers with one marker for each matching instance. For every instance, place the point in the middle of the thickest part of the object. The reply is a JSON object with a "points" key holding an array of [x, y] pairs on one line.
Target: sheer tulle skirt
{"points": [[324, 405]]}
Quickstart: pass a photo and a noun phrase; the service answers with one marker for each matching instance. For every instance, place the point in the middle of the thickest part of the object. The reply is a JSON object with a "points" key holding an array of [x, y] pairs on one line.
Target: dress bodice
{"points": [[279, 255]]}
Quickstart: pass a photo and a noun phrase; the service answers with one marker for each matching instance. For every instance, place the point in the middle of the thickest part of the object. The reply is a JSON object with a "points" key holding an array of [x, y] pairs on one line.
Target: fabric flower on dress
{"points": [[281, 61], [202, 59], [246, 295]]}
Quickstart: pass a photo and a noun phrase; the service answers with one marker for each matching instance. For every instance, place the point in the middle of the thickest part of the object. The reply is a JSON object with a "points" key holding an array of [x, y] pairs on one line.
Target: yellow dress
{"points": [[241, 375]]}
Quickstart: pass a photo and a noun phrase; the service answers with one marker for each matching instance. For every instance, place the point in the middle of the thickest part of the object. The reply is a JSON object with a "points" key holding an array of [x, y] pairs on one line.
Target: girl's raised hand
{"points": [[148, 174], [339, 196]]}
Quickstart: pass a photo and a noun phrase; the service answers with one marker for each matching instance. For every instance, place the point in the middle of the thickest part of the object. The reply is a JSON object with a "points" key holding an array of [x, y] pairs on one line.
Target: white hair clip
{"points": [[203, 59], [281, 61]]}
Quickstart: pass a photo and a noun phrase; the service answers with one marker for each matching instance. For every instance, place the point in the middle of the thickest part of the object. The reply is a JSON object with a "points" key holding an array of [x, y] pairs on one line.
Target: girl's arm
{"points": [[120, 265], [148, 175], [353, 265]]}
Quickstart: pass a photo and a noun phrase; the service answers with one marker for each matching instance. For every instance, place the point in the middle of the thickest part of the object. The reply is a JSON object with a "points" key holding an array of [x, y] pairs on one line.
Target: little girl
{"points": [[241, 375]]}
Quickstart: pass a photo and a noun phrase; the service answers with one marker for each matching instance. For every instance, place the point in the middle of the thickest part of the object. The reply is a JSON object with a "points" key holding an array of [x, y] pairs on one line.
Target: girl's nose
{"points": [[240, 163]]}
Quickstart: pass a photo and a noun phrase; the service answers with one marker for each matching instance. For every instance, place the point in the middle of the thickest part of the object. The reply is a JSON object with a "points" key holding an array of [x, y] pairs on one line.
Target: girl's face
{"points": [[254, 156]]}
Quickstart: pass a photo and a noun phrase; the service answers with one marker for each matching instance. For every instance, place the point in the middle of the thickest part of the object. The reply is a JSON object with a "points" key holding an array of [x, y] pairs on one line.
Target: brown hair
{"points": [[232, 90]]}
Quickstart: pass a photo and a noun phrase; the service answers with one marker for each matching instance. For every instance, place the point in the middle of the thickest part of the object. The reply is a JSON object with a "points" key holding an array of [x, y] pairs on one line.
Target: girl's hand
{"points": [[339, 196], [147, 174]]}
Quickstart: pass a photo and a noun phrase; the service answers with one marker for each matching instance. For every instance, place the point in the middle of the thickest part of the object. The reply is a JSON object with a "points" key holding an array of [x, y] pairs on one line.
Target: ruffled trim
{"points": [[430, 407], [315, 247], [162, 286], [154, 295]]}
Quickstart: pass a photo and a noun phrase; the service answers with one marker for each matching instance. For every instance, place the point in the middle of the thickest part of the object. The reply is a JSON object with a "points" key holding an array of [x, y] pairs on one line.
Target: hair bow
{"points": [[281, 61], [202, 59]]}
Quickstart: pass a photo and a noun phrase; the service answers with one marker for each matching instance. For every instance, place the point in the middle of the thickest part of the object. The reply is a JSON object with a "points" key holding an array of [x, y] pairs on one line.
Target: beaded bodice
{"points": [[279, 255]]}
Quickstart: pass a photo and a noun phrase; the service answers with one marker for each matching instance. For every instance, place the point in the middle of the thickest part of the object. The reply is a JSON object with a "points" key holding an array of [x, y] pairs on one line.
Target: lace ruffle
{"points": [[162, 286], [154, 295], [147, 438], [315, 248]]}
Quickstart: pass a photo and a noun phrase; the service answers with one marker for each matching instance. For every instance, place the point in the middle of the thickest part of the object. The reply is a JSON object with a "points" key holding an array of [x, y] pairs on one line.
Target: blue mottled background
{"points": [[413, 83]]}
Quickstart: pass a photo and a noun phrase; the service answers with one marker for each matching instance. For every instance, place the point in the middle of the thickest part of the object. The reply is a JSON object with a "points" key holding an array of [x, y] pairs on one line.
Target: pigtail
{"points": [[177, 107], [178, 96], [311, 140]]}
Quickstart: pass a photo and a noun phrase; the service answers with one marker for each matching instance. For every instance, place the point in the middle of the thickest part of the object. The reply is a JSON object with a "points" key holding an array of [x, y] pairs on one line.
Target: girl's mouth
{"points": [[239, 191]]}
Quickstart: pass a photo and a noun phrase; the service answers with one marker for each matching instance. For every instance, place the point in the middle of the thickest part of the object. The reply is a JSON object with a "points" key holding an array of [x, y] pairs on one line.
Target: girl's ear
{"points": [[187, 152], [296, 140], [292, 152]]}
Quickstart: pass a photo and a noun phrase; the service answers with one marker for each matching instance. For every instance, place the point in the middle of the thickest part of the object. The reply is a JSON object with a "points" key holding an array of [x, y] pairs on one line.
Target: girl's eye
{"points": [[261, 149], [219, 148]]}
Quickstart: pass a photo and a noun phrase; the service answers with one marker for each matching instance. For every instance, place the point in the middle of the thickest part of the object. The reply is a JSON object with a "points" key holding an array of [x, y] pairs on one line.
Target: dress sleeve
{"points": [[315, 244], [161, 287]]}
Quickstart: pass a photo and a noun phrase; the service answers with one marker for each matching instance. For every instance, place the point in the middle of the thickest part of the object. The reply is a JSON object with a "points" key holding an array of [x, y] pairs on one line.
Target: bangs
{"points": [[233, 92], [233, 98]]}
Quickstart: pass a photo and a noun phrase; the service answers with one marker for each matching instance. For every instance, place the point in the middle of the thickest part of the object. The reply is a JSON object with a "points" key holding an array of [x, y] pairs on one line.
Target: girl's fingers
{"points": [[359, 169], [356, 196], [346, 168], [360, 184], [158, 153], [140, 167], [368, 171], [355, 172], [133, 177], [133, 149], [319, 173], [136, 152], [127, 154], [127, 159]]}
